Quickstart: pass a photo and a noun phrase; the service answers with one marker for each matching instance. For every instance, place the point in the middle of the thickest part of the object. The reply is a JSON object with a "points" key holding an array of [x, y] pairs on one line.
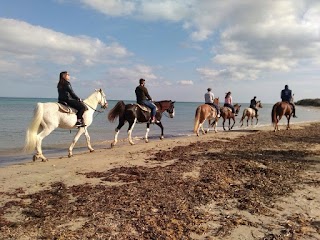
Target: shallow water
{"points": [[17, 114]]}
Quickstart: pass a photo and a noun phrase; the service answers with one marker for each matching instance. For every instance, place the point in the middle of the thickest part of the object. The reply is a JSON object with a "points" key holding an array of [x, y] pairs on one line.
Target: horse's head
{"points": [[102, 100], [237, 108], [216, 101], [170, 110], [166, 106], [259, 104]]}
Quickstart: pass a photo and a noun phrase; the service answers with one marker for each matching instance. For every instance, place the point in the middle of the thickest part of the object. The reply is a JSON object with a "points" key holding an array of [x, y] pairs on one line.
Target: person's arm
{"points": [[147, 94], [72, 93]]}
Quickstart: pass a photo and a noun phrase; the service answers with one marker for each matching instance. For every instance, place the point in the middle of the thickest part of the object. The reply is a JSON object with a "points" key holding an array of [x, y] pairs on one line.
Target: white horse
{"points": [[250, 113], [49, 116]]}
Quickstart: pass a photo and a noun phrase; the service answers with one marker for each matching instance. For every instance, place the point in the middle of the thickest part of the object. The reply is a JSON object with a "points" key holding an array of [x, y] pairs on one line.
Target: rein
{"points": [[99, 111]]}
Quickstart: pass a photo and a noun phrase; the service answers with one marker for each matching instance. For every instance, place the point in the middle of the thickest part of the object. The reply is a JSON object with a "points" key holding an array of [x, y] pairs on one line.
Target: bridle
{"points": [[103, 97], [169, 110]]}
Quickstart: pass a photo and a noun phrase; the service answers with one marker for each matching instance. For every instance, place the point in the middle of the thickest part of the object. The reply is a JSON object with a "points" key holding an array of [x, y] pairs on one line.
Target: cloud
{"points": [[185, 82], [111, 7], [251, 36], [124, 76], [25, 42]]}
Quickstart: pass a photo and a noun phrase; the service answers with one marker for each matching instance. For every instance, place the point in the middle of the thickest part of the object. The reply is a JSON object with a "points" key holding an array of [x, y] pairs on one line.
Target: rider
{"points": [[286, 96], [209, 99], [253, 104], [228, 102], [66, 94], [143, 97]]}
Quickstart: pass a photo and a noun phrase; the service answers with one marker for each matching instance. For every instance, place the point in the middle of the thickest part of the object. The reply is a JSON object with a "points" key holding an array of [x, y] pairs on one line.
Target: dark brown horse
{"points": [[226, 113], [206, 112], [133, 113], [278, 110]]}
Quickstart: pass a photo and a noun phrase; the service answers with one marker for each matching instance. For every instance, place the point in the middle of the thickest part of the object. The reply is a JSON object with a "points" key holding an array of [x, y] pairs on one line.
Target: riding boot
{"points": [[80, 123], [153, 120]]}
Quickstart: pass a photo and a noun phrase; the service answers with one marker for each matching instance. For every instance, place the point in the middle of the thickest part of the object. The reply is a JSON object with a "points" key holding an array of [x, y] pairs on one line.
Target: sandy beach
{"points": [[246, 184]]}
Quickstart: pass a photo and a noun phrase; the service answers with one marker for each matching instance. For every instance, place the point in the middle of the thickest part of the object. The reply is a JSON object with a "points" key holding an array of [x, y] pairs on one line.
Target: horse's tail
{"points": [[274, 113], [32, 131], [197, 119], [116, 111]]}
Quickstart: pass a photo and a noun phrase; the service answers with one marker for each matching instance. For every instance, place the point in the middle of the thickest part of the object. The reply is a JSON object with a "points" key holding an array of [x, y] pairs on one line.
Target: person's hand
{"points": [[80, 100]]}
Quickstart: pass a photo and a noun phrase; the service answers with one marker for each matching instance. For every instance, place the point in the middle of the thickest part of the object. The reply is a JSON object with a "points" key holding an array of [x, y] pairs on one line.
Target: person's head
{"points": [[209, 89], [286, 86], [254, 97], [63, 77], [228, 94], [142, 81]]}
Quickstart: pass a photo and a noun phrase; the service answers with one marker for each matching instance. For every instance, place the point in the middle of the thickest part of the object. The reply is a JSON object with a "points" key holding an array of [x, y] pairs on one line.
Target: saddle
{"points": [[64, 107], [144, 108]]}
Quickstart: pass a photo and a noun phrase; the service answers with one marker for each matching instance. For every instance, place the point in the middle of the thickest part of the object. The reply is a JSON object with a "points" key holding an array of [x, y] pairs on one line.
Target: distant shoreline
{"points": [[314, 102]]}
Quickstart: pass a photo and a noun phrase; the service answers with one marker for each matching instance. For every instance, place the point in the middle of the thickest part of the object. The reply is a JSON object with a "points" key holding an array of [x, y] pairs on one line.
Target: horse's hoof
{"points": [[34, 158], [91, 150], [161, 138], [146, 140], [45, 160], [70, 155], [132, 143]]}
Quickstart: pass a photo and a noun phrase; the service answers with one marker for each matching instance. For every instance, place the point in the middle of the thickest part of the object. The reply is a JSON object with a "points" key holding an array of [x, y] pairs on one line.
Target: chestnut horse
{"points": [[250, 113], [206, 112], [226, 113], [133, 113], [278, 110]]}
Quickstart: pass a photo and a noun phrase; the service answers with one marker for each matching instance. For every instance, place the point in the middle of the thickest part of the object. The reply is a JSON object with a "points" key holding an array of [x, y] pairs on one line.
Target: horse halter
{"points": [[103, 97], [170, 110]]}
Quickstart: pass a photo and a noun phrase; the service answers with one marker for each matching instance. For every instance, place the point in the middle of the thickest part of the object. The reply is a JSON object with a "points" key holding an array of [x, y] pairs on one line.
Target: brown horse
{"points": [[226, 113], [250, 113], [278, 110], [133, 113], [206, 112]]}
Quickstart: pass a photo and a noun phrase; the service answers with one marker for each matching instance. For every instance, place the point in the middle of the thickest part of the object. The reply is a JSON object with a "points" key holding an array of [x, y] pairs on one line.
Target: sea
{"points": [[16, 115]]}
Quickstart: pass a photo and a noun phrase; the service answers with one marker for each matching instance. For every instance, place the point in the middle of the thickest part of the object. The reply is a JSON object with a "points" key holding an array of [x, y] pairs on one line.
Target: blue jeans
{"points": [[151, 106]]}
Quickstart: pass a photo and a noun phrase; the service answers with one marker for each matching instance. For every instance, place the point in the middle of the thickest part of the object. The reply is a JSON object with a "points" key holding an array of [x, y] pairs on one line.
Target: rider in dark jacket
{"points": [[66, 94], [253, 104], [286, 96], [144, 98]]}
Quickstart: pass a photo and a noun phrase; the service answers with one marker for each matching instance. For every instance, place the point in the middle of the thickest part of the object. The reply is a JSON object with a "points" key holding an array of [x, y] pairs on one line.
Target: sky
{"points": [[182, 47]]}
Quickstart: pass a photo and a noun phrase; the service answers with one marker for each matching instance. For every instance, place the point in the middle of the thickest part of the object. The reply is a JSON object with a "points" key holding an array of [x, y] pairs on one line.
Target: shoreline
{"points": [[16, 156]]}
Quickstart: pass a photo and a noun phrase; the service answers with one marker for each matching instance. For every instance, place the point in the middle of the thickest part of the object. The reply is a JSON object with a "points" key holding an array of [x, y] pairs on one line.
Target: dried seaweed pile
{"points": [[164, 202]]}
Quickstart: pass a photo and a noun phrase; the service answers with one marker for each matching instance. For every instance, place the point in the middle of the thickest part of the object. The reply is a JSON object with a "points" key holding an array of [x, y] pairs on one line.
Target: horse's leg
{"points": [[234, 121], [117, 130], [130, 128], [201, 127], [215, 125], [161, 127], [288, 120], [45, 132], [147, 133], [257, 120], [81, 130], [224, 120]]}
